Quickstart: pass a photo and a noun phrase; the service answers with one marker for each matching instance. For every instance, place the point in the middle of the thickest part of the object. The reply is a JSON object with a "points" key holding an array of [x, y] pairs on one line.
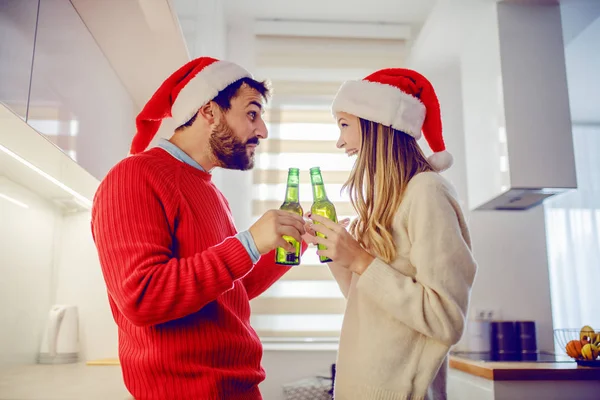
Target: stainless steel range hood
{"points": [[520, 199], [518, 131]]}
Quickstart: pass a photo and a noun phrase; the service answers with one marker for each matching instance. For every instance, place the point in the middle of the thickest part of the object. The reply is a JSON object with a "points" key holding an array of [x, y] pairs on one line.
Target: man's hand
{"points": [[268, 231]]}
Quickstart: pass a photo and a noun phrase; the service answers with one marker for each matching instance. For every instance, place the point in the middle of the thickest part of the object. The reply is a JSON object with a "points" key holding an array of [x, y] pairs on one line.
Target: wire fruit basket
{"points": [[583, 345]]}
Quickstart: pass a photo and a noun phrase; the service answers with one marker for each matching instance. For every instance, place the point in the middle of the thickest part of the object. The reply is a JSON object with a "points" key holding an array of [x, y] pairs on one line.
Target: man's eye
{"points": [[344, 125], [253, 114]]}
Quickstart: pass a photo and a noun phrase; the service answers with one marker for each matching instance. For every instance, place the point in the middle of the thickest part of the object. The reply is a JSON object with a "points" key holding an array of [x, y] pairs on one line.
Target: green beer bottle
{"points": [[291, 204], [321, 204]]}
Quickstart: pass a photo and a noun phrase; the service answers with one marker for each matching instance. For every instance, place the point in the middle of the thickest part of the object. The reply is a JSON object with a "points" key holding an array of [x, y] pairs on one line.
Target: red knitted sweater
{"points": [[178, 282]]}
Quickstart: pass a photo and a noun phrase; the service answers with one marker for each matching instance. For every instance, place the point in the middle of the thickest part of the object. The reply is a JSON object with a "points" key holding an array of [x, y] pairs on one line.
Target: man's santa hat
{"points": [[183, 94], [402, 99]]}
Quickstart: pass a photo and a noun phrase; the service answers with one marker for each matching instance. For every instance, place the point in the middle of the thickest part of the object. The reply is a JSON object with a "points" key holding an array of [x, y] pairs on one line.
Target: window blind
{"points": [[306, 302], [306, 73]]}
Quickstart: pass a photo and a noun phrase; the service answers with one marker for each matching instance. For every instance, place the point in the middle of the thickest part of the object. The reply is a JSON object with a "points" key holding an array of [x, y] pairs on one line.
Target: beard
{"points": [[229, 151]]}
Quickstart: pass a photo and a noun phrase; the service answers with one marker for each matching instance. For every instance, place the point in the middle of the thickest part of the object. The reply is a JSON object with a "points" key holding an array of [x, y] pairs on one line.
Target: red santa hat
{"points": [[402, 99], [183, 94]]}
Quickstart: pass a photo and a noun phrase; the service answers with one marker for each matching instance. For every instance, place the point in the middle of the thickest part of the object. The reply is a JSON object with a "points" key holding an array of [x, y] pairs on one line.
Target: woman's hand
{"points": [[342, 248], [309, 236]]}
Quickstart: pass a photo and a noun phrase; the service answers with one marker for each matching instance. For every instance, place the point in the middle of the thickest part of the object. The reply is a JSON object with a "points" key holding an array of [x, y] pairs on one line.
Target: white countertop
{"points": [[62, 382]]}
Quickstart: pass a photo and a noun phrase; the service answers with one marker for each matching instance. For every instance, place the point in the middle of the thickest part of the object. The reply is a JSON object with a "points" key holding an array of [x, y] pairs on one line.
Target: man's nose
{"points": [[262, 131]]}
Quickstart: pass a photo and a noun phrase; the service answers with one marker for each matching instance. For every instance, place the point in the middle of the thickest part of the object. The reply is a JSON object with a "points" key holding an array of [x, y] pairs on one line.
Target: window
{"points": [[306, 73], [573, 237], [306, 302]]}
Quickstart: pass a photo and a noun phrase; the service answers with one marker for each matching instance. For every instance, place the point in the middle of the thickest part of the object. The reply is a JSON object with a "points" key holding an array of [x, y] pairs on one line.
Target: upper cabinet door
{"points": [[17, 37], [77, 100]]}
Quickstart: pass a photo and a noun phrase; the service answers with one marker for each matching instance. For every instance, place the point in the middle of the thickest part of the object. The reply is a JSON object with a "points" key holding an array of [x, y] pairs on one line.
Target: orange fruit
{"points": [[574, 348]]}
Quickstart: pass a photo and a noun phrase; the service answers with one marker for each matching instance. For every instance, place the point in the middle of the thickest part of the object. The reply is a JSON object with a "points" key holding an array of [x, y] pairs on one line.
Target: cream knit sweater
{"points": [[402, 318]]}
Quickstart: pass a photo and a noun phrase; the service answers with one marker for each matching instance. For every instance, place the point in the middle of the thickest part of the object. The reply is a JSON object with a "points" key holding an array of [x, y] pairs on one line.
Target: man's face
{"points": [[235, 137]]}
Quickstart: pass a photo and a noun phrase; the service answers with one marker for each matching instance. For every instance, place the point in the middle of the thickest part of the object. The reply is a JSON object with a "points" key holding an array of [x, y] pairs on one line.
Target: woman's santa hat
{"points": [[183, 94], [402, 99]]}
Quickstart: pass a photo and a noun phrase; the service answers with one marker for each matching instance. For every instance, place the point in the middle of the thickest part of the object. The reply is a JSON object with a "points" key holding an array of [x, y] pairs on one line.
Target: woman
{"points": [[406, 266]]}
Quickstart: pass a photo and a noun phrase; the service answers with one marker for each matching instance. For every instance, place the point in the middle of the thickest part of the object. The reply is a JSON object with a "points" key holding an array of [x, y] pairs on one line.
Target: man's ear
{"points": [[209, 112]]}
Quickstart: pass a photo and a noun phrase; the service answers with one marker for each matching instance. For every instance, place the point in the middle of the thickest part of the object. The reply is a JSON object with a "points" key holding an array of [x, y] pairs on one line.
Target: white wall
{"points": [[513, 279], [576, 16], [583, 63], [447, 84], [27, 254], [48, 258], [80, 282]]}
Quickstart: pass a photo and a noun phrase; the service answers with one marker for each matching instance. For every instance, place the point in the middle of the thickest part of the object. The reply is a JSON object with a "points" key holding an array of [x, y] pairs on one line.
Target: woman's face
{"points": [[350, 139]]}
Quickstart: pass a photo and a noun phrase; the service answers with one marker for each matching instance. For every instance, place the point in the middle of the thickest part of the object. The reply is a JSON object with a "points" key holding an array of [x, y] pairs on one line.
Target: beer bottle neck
{"points": [[293, 181], [319, 191], [318, 188], [291, 194]]}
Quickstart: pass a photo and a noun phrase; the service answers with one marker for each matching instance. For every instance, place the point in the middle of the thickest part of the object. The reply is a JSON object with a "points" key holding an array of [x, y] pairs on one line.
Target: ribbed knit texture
{"points": [[178, 283]]}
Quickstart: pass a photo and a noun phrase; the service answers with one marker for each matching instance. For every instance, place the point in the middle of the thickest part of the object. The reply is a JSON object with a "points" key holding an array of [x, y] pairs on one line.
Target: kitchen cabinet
{"points": [[464, 386], [79, 71], [77, 100], [478, 380], [18, 19]]}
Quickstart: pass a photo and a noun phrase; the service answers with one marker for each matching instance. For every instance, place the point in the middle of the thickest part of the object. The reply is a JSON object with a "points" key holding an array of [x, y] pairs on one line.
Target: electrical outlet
{"points": [[487, 314]]}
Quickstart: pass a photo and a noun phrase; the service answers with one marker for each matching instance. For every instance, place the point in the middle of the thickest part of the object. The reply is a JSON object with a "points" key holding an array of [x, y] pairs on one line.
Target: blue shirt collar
{"points": [[179, 154]]}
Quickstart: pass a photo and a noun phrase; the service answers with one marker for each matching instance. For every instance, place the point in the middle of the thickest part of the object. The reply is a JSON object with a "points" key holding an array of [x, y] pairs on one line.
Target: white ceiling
{"points": [[406, 11]]}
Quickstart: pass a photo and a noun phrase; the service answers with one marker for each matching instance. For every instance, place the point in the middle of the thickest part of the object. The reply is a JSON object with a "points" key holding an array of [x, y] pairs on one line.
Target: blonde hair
{"points": [[387, 161]]}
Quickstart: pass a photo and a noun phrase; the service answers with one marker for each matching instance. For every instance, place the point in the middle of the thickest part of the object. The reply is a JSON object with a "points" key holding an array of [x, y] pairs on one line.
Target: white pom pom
{"points": [[441, 161]]}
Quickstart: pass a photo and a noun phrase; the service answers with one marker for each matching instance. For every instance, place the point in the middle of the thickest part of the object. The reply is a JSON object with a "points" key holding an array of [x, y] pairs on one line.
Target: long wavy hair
{"points": [[387, 161]]}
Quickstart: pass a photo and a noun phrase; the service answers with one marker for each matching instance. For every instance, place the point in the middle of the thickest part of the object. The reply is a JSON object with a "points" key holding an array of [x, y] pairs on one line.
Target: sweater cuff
{"points": [[235, 257], [248, 242]]}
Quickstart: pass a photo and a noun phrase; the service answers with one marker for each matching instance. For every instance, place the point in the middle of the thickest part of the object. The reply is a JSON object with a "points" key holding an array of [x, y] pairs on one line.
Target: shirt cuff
{"points": [[248, 242]]}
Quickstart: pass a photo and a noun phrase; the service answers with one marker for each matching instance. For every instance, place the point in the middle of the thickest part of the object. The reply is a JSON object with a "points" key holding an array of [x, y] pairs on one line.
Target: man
{"points": [[179, 277]]}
